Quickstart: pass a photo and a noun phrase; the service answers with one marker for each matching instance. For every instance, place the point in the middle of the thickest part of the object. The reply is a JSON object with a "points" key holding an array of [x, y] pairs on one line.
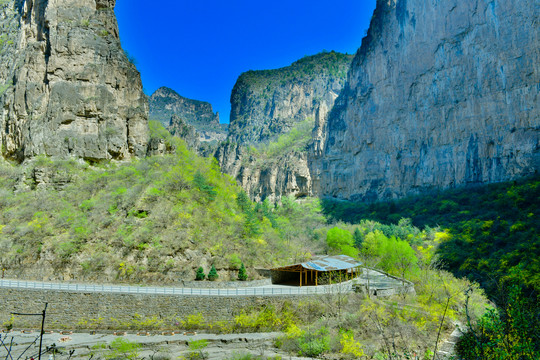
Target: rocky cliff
{"points": [[273, 109], [441, 94], [180, 128], [265, 104], [66, 86], [166, 103]]}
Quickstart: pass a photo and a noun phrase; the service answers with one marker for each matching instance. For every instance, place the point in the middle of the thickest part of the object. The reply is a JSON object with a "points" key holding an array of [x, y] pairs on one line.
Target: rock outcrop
{"points": [[178, 127], [280, 106], [66, 86], [441, 94], [165, 103], [265, 104]]}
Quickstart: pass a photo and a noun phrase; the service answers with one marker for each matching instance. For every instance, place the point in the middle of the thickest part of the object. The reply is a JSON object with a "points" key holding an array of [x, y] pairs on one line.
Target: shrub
{"points": [[200, 274], [242, 274], [312, 344], [213, 275]]}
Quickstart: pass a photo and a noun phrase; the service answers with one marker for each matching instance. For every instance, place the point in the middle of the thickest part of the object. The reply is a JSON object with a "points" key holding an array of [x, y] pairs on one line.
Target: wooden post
{"points": [[306, 278], [300, 277], [316, 274]]}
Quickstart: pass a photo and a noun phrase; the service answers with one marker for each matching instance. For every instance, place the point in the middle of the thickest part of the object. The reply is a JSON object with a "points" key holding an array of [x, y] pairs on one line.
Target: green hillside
{"points": [[494, 229], [153, 219]]}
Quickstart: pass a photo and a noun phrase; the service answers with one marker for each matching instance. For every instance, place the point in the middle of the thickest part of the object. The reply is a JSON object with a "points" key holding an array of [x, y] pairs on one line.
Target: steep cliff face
{"points": [[179, 127], [265, 104], [441, 94], [67, 88], [166, 103], [280, 108]]}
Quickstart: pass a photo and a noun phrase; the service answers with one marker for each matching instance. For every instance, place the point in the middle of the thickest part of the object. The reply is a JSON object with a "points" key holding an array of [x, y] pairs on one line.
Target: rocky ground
{"points": [[152, 346]]}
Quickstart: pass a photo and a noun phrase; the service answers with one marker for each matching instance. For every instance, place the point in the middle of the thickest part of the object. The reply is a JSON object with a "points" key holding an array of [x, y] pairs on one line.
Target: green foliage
{"points": [[512, 332], [493, 230], [341, 242], [242, 273], [147, 210], [200, 274], [313, 344], [208, 190], [358, 238], [296, 139], [197, 347], [123, 348], [212, 274]]}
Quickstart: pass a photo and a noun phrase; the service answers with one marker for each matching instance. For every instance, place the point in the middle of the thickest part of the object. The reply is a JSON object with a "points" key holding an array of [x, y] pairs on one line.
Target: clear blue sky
{"points": [[200, 47]]}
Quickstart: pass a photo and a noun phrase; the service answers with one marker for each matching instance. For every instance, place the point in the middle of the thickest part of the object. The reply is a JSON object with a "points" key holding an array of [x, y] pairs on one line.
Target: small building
{"points": [[321, 269]]}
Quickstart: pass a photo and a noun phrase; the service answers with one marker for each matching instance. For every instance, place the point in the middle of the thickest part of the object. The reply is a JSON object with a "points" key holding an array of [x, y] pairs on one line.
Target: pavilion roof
{"points": [[324, 263]]}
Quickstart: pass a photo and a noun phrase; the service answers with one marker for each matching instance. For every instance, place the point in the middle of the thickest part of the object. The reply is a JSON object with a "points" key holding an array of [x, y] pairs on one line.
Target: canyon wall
{"points": [[441, 94], [269, 105], [66, 86]]}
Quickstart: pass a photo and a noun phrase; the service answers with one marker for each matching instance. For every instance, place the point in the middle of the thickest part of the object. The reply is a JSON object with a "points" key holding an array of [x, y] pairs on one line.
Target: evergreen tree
{"points": [[358, 238], [213, 275], [243, 201], [200, 274], [200, 182], [242, 274]]}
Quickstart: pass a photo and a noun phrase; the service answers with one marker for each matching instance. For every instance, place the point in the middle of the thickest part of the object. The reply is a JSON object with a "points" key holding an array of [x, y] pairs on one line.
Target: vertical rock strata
{"points": [[267, 103], [270, 103], [441, 94], [68, 87]]}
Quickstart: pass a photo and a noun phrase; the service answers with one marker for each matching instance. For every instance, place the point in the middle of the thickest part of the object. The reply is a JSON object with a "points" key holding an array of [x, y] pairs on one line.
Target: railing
{"points": [[258, 291]]}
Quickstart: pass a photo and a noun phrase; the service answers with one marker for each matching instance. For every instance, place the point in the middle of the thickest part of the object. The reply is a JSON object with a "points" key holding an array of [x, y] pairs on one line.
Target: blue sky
{"points": [[199, 48]]}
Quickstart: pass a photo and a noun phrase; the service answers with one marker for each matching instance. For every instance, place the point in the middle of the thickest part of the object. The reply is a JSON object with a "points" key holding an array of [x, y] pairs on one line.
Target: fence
{"points": [[119, 289]]}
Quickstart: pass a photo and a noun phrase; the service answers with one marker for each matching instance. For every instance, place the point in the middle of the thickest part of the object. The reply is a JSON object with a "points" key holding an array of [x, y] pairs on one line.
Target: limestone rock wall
{"points": [[441, 94], [68, 87], [166, 103], [266, 179], [178, 127], [270, 103]]}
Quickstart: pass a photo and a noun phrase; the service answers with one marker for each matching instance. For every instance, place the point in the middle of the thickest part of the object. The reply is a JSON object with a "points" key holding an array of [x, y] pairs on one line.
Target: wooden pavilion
{"points": [[308, 273]]}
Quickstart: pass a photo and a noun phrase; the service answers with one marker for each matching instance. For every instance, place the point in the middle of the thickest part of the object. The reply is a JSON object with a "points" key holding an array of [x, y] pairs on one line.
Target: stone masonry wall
{"points": [[66, 309]]}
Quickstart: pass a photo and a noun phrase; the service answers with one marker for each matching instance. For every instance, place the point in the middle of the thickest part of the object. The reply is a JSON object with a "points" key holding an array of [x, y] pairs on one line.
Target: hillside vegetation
{"points": [[154, 219], [493, 230]]}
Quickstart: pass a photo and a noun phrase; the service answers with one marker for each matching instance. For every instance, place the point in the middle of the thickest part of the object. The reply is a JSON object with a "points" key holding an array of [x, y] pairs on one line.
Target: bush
{"points": [[213, 275], [313, 345], [242, 274], [200, 274]]}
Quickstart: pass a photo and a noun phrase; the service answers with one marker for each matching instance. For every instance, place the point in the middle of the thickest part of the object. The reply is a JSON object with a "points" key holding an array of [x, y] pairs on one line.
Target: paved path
{"points": [[377, 279], [267, 290]]}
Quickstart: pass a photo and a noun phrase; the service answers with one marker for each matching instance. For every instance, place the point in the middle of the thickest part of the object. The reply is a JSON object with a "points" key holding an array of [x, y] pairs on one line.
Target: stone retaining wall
{"points": [[66, 309]]}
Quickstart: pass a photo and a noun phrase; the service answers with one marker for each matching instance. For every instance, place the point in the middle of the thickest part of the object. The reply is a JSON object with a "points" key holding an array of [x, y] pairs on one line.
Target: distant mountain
{"points": [[268, 103], [275, 114], [166, 103]]}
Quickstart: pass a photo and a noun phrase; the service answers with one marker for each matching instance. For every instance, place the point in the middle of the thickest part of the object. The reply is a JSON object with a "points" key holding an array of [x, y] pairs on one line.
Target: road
{"points": [[267, 290], [378, 279]]}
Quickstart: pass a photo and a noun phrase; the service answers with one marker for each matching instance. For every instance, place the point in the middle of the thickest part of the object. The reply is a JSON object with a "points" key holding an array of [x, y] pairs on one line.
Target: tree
{"points": [[358, 238], [404, 258], [213, 275], [242, 274], [200, 182], [341, 241], [243, 202], [200, 274]]}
